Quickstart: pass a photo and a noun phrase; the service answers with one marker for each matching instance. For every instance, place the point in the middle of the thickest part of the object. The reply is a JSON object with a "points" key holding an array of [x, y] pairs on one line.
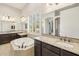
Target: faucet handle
{"points": [[69, 40], [22, 45], [61, 39], [64, 39]]}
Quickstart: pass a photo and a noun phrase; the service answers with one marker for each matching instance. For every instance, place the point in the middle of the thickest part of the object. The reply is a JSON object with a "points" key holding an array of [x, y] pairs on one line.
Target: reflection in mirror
{"points": [[12, 23], [34, 23], [49, 25], [69, 24], [57, 26], [25, 26]]}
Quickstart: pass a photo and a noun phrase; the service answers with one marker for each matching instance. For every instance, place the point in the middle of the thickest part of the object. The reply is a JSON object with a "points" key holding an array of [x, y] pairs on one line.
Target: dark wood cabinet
{"points": [[47, 52], [14, 36], [67, 53], [38, 48], [6, 38], [51, 48], [44, 49]]}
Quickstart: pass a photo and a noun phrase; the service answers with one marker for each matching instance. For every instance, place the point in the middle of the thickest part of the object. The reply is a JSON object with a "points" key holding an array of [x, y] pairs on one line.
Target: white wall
{"points": [[8, 11], [69, 22]]}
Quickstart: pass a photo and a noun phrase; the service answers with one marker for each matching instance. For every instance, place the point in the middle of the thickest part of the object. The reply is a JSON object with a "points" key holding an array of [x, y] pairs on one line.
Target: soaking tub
{"points": [[22, 45]]}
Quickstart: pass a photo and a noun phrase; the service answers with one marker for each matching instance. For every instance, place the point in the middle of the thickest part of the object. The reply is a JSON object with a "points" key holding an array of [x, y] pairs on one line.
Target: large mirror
{"points": [[34, 23], [48, 25], [69, 22], [12, 23], [65, 24]]}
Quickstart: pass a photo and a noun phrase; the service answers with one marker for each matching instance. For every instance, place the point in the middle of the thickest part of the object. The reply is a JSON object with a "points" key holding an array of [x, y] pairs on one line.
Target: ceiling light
{"points": [[49, 4], [56, 3]]}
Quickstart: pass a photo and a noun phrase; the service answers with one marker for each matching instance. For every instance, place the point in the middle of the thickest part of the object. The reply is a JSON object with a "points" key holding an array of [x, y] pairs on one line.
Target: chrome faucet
{"points": [[64, 39], [60, 38], [69, 40]]}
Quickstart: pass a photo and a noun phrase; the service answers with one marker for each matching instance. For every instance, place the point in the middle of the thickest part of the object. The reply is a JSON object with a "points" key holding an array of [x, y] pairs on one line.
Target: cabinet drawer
{"points": [[47, 52], [37, 42], [67, 53], [51, 48], [4, 38]]}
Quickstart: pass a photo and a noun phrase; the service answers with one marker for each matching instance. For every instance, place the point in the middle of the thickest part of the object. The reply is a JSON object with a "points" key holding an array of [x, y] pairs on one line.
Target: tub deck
{"points": [[7, 50]]}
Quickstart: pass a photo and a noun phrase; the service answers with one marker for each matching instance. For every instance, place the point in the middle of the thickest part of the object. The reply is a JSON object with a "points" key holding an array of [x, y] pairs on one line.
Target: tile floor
{"points": [[7, 50]]}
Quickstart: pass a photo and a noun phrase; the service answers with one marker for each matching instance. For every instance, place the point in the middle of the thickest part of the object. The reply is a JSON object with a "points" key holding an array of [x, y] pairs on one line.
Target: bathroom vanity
{"points": [[7, 37], [62, 26], [45, 49]]}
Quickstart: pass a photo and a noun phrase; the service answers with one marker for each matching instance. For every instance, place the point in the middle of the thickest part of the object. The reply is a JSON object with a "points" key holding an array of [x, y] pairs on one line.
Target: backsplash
{"points": [[73, 40]]}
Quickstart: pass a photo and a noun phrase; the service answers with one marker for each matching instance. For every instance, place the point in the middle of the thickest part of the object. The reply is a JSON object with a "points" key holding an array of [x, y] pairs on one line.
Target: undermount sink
{"points": [[65, 44], [37, 37]]}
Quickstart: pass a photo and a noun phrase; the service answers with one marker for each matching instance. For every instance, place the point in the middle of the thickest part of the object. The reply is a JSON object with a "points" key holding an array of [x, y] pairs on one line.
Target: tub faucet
{"points": [[22, 45]]}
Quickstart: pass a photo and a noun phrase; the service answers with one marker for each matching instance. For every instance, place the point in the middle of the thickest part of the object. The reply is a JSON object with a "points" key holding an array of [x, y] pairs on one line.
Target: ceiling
{"points": [[17, 5]]}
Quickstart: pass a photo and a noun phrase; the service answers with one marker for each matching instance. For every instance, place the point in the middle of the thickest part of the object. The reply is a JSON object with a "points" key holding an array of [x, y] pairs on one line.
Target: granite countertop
{"points": [[8, 32], [69, 46]]}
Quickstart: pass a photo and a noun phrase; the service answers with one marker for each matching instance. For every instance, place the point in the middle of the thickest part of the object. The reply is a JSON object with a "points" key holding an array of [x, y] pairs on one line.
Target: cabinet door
{"points": [[46, 52], [37, 48], [67, 53], [4, 38], [52, 48], [13, 36]]}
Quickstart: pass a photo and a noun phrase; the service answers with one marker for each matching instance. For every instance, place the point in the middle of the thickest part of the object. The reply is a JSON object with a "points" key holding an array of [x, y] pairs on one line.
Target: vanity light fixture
{"points": [[49, 4], [56, 3], [23, 18]]}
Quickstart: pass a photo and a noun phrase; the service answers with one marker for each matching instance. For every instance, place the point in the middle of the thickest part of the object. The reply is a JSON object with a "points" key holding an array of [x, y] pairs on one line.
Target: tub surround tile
{"points": [[27, 52]]}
